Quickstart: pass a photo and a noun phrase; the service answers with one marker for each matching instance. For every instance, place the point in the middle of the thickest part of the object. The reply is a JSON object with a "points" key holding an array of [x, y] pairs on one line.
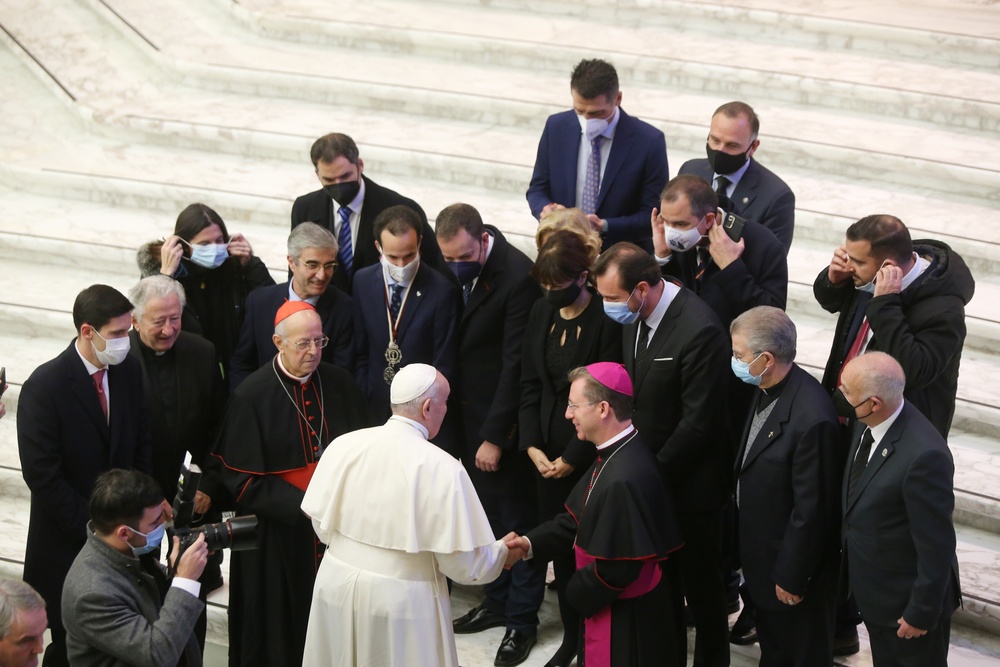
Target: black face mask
{"points": [[845, 408], [560, 298], [342, 193], [724, 163]]}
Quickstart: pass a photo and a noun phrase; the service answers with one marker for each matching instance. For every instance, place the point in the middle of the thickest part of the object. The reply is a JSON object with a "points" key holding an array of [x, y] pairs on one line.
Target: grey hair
{"points": [[882, 376], [154, 287], [767, 329], [411, 408], [310, 235], [15, 596]]}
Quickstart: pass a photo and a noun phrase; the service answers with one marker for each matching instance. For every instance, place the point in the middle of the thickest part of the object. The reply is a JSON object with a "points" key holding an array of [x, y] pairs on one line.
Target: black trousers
{"points": [[701, 572], [929, 650], [797, 636]]}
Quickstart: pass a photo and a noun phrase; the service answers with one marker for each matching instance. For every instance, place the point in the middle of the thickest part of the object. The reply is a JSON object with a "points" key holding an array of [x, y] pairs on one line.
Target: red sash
{"points": [[299, 478], [597, 628]]}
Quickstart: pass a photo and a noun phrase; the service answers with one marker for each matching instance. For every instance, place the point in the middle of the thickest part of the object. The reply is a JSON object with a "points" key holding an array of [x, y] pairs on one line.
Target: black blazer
{"points": [[898, 535], [760, 195], [600, 340], [427, 330], [256, 347], [201, 403], [758, 278], [65, 443], [490, 335], [317, 207], [680, 405], [789, 496]]}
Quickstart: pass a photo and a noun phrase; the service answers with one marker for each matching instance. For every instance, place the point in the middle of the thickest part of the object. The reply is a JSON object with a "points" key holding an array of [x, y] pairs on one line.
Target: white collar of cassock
{"points": [[301, 380], [415, 424]]}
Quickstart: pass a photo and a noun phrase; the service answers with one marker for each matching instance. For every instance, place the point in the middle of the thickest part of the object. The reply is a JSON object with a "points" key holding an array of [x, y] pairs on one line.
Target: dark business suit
{"points": [[317, 207], [427, 330], [256, 346], [635, 173], [487, 393], [789, 519], [899, 540], [760, 195], [680, 401], [65, 442]]}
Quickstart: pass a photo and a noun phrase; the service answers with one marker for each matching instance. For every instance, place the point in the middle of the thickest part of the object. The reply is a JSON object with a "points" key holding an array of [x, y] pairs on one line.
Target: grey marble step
{"points": [[868, 148]]}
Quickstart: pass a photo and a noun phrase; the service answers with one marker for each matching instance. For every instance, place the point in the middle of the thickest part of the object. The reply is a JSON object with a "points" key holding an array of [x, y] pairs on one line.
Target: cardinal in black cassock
{"points": [[620, 523], [277, 425]]}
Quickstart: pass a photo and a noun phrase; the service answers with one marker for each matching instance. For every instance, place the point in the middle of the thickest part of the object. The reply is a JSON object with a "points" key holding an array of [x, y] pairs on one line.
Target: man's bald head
{"points": [[874, 375]]}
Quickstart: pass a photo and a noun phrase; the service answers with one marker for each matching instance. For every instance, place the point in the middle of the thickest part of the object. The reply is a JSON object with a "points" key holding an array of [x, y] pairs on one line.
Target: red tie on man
{"points": [[98, 378], [855, 348]]}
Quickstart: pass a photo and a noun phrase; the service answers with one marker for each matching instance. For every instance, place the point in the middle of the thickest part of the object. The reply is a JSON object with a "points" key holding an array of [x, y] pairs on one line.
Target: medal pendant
{"points": [[393, 355], [389, 373]]}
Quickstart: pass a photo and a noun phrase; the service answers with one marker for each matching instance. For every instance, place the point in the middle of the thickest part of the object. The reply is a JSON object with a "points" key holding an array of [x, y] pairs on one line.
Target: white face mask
{"points": [[115, 350], [682, 240], [401, 274], [591, 127]]}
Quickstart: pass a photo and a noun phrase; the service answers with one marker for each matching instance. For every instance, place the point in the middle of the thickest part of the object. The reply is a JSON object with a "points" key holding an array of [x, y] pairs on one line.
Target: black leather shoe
{"points": [[744, 631], [563, 656], [514, 648], [846, 645], [478, 619]]}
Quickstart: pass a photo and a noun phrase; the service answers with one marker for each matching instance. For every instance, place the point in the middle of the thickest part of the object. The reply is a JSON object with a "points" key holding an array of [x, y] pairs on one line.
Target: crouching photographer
{"points": [[118, 605]]}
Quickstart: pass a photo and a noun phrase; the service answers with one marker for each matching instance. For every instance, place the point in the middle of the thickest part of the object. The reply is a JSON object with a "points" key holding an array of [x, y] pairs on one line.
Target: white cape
{"points": [[398, 515]]}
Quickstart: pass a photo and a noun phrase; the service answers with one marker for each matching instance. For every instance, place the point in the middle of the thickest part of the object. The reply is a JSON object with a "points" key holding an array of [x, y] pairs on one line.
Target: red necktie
{"points": [[98, 379], [855, 348]]}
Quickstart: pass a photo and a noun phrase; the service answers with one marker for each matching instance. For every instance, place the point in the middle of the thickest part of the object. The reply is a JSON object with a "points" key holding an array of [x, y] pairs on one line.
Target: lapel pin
{"points": [[418, 293], [771, 434], [746, 199], [885, 453]]}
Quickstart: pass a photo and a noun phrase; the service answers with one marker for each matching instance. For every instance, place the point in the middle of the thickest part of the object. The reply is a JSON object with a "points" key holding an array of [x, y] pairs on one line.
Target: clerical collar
{"points": [[771, 394], [292, 296], [415, 424], [616, 438], [300, 380]]}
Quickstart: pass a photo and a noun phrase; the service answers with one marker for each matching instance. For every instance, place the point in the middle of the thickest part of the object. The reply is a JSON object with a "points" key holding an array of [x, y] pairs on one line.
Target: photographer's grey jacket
{"points": [[113, 616]]}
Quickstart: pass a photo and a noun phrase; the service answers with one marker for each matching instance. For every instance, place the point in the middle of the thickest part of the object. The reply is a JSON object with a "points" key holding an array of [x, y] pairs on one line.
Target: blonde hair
{"points": [[571, 219]]}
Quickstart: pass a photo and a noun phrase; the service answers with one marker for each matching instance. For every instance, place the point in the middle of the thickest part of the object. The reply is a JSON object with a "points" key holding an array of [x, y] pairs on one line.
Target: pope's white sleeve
{"points": [[479, 566]]}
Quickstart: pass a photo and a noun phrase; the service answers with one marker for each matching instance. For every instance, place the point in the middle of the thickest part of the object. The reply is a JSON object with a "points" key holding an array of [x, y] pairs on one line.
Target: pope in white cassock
{"points": [[398, 515]]}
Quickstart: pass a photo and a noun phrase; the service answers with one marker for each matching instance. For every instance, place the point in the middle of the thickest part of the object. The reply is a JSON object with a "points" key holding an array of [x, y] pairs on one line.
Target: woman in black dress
{"points": [[566, 329], [217, 271]]}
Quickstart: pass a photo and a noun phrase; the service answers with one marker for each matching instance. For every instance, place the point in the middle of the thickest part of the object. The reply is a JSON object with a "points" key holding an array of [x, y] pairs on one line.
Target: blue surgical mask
{"points": [[741, 369], [619, 310], [870, 285], [153, 539], [210, 256]]}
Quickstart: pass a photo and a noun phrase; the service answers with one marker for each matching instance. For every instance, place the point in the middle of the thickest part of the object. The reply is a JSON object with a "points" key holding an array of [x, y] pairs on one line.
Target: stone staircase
{"points": [[115, 114]]}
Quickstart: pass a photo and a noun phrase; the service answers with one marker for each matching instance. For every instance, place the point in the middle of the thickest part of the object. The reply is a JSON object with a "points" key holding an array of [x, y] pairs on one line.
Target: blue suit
{"points": [[635, 173], [256, 347], [426, 335]]}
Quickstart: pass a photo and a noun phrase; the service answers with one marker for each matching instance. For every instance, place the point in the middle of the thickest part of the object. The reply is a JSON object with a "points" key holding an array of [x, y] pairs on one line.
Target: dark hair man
{"points": [[79, 415], [906, 298], [312, 263], [348, 196], [744, 186], [677, 355], [598, 158], [118, 605], [498, 294], [898, 499], [404, 312], [620, 522]]}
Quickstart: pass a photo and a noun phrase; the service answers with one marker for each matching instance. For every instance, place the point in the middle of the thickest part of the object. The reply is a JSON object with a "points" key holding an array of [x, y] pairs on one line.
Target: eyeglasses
{"points": [[313, 265], [304, 345], [574, 406]]}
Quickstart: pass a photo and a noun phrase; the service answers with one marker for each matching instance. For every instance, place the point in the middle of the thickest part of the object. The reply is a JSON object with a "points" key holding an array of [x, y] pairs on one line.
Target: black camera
{"points": [[238, 533]]}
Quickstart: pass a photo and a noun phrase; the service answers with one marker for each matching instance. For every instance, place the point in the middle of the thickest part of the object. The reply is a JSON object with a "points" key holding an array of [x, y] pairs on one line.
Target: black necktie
{"points": [[721, 187], [642, 344], [395, 301], [860, 463]]}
